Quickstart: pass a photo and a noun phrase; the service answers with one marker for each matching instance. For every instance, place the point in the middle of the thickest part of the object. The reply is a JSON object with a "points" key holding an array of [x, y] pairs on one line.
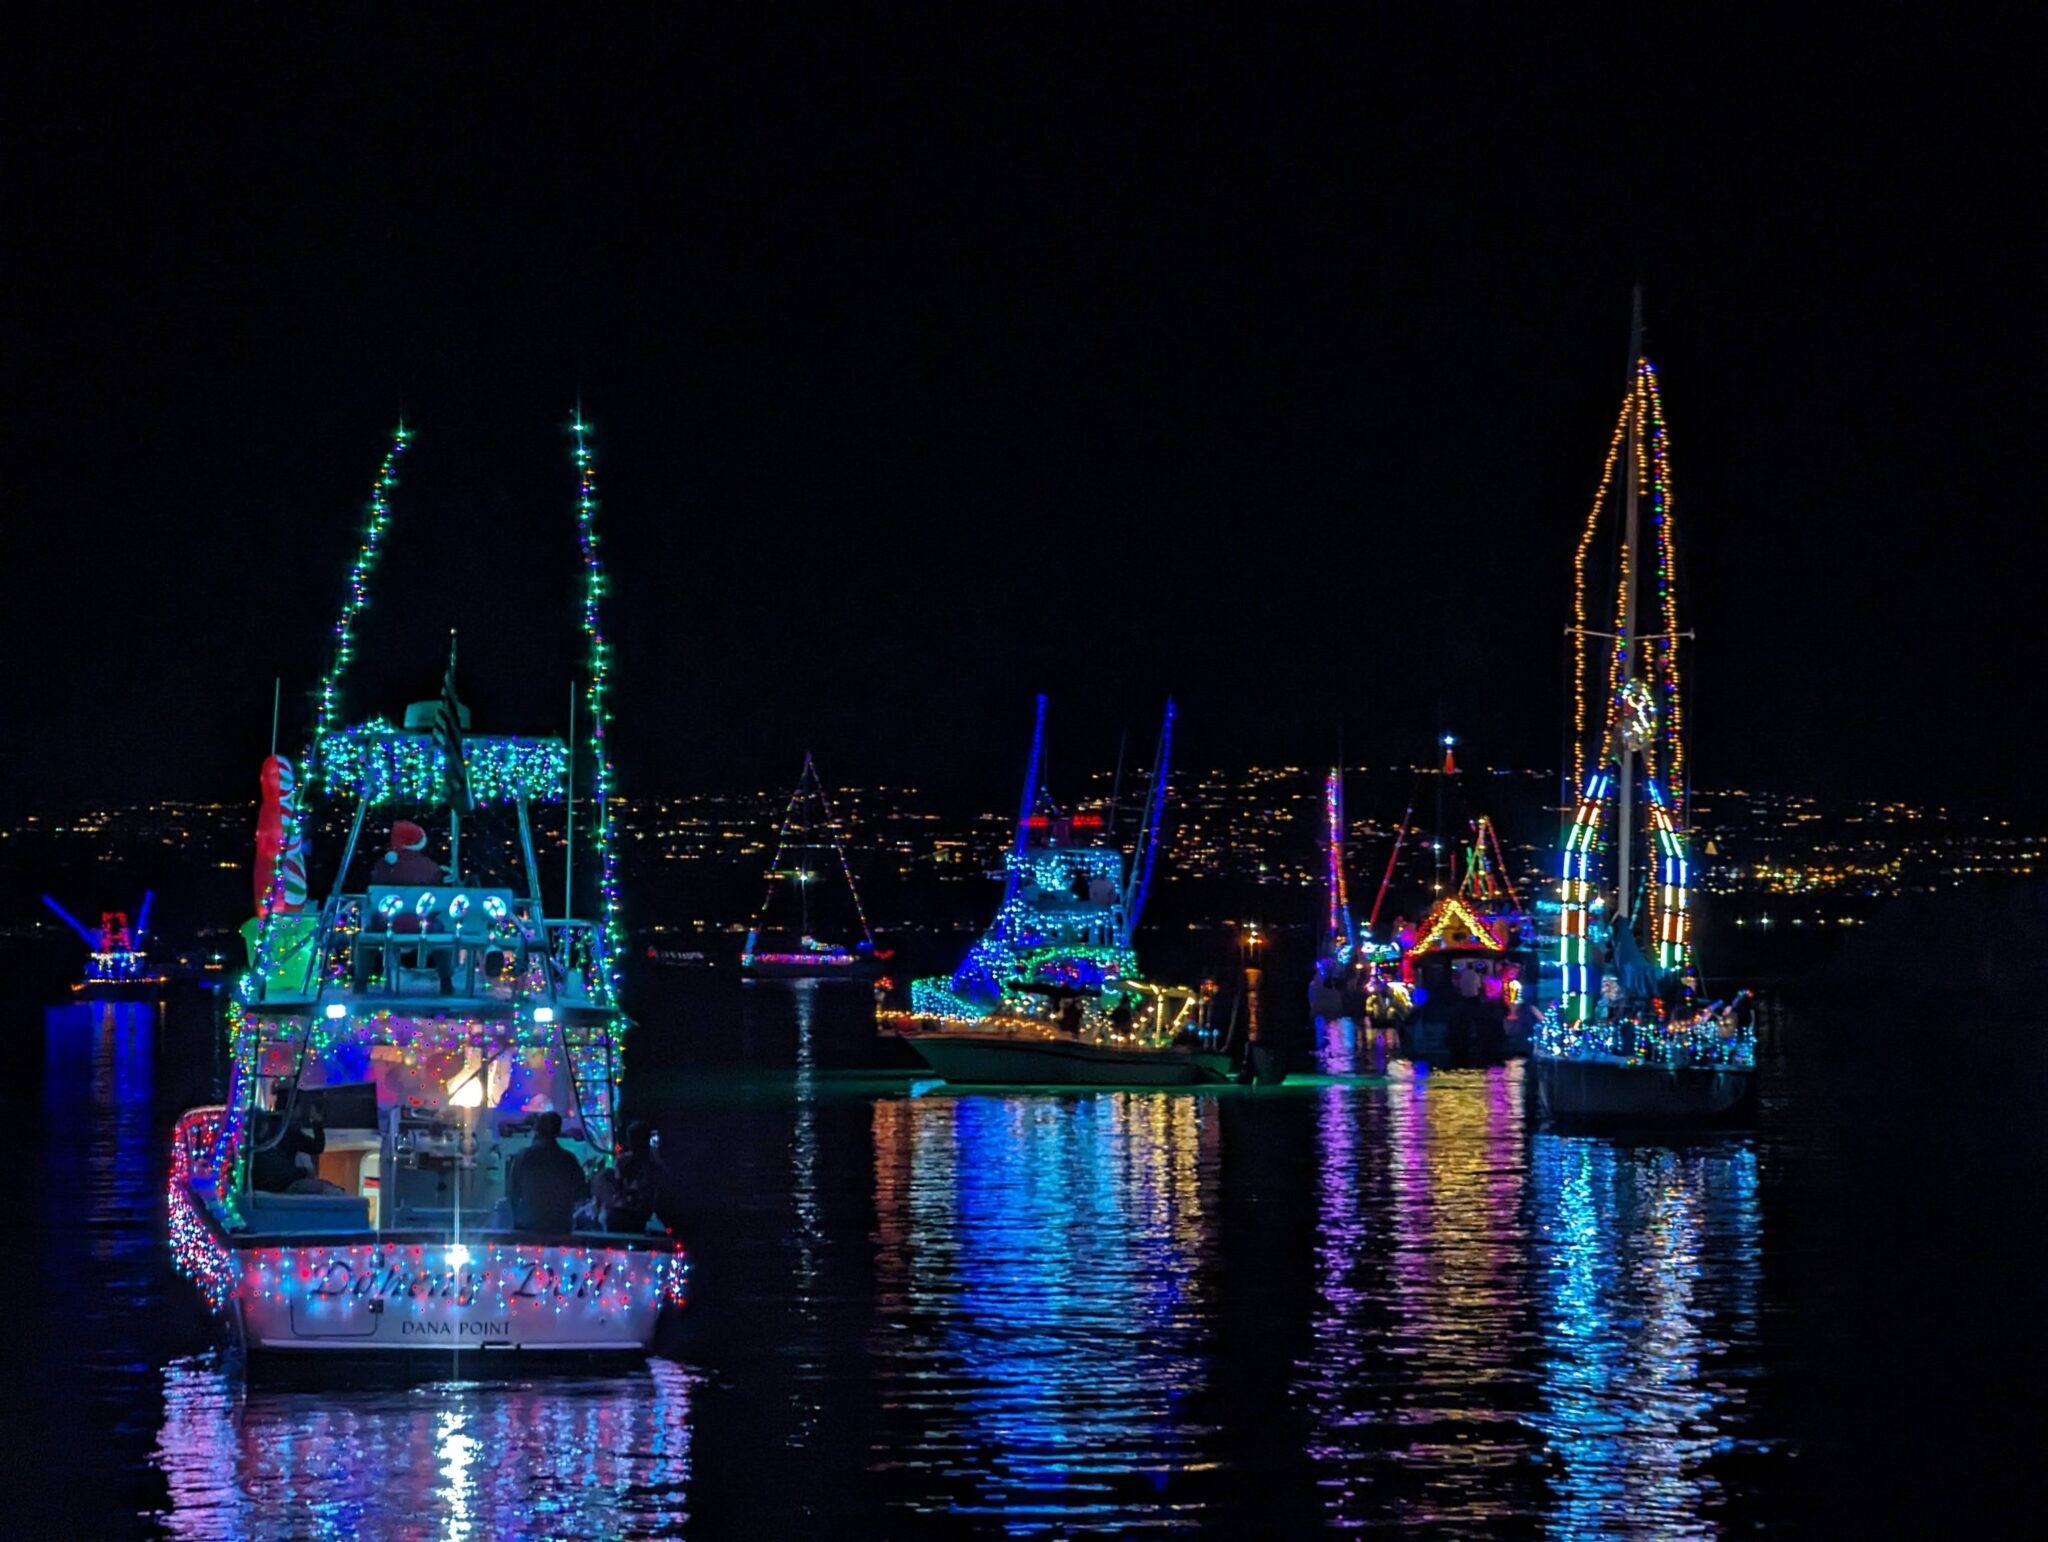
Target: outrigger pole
{"points": [[73, 922], [1148, 837], [1030, 801], [569, 818], [1387, 877]]}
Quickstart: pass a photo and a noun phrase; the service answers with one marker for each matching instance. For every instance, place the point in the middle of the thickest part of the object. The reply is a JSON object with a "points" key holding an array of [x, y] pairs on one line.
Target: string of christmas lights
{"points": [[298, 812], [1644, 709], [381, 764], [596, 700], [1339, 929], [329, 696], [809, 780], [1706, 1039]]}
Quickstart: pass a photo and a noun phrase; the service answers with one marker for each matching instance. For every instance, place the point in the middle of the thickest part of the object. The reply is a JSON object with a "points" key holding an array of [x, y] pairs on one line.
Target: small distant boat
{"points": [[1051, 994], [117, 968], [1629, 1040], [679, 958], [777, 954]]}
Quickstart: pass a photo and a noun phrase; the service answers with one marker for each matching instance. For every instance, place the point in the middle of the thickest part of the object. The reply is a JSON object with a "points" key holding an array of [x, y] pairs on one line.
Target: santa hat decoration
{"points": [[407, 836]]}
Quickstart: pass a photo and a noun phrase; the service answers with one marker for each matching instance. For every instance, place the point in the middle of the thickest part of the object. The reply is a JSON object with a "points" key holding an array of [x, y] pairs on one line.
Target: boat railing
{"points": [[432, 945]]}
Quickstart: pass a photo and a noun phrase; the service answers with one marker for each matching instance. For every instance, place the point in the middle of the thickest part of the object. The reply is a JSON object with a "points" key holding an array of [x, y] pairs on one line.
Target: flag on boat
{"points": [[448, 735]]}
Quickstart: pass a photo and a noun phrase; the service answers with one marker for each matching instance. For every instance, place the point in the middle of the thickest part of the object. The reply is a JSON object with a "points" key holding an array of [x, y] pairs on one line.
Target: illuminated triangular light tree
{"points": [[1628, 720]]}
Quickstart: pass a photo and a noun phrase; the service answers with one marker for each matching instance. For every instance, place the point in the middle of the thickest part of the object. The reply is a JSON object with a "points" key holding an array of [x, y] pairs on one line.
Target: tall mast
{"points": [[1630, 564]]}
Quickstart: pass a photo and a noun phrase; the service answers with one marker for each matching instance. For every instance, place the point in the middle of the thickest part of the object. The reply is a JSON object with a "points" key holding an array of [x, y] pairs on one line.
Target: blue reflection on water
{"points": [[1648, 1260], [1040, 1272], [102, 1158]]}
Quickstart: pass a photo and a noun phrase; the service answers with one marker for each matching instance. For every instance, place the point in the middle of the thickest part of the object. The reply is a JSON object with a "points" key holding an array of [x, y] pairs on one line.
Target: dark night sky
{"points": [[1264, 357]]}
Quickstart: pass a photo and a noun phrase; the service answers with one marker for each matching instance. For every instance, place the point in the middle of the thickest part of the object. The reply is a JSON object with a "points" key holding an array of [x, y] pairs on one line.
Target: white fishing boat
{"points": [[401, 1048], [1630, 1039], [1051, 994]]}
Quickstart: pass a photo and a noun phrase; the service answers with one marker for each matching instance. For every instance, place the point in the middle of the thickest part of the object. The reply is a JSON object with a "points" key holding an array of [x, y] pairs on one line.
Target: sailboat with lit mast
{"points": [[1628, 1039], [777, 954]]}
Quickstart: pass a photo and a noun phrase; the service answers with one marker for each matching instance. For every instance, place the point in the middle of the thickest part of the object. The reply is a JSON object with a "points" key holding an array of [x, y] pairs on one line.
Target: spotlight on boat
{"points": [[458, 1256], [543, 1014], [336, 1010]]}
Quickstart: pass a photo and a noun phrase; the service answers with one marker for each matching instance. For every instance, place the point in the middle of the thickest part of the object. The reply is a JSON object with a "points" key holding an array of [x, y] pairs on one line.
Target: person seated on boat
{"points": [[289, 1141], [1070, 1016], [1120, 1017], [545, 1182], [627, 1195]]}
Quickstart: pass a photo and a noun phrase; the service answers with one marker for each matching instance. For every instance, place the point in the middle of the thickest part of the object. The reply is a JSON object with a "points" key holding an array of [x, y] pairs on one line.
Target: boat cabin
{"points": [[417, 1025]]}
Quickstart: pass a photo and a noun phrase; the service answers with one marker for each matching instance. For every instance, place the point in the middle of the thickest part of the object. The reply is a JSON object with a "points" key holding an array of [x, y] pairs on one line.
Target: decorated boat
{"points": [[775, 950], [1051, 994], [116, 966], [1352, 976], [1629, 1037], [403, 1049], [1468, 971]]}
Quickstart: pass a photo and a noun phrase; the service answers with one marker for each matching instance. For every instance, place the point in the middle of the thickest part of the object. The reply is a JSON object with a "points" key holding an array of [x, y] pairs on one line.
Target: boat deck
{"points": [[486, 1000]]}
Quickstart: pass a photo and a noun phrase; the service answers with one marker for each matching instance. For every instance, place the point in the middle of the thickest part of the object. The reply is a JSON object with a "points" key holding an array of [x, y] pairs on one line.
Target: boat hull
{"points": [[1624, 1093], [150, 989], [1335, 1000], [405, 1296], [995, 1059], [860, 969]]}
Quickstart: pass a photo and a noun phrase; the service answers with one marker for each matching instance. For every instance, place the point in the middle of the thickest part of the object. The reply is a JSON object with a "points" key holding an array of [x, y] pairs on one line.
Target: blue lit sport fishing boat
{"points": [[423, 1027], [1628, 1041], [1051, 994]]}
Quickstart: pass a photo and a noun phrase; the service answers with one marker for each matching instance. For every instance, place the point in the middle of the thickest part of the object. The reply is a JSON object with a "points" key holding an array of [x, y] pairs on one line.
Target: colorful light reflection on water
{"points": [[557, 1456], [1383, 1299], [1043, 1290]]}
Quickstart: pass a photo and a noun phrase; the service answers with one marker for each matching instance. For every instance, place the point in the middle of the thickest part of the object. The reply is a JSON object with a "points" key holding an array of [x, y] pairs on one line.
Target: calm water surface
{"points": [[1382, 1298]]}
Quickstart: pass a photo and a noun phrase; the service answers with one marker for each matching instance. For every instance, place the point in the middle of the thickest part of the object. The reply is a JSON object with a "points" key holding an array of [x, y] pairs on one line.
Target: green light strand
{"points": [[358, 595], [329, 698], [595, 696]]}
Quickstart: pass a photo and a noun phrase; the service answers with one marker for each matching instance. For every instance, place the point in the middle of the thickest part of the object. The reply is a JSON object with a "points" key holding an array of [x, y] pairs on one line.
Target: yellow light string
{"points": [[1579, 605]]}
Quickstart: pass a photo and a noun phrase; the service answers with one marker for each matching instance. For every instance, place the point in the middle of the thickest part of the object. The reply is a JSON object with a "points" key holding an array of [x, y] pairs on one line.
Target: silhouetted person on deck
{"points": [[629, 1195], [545, 1181], [287, 1157]]}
